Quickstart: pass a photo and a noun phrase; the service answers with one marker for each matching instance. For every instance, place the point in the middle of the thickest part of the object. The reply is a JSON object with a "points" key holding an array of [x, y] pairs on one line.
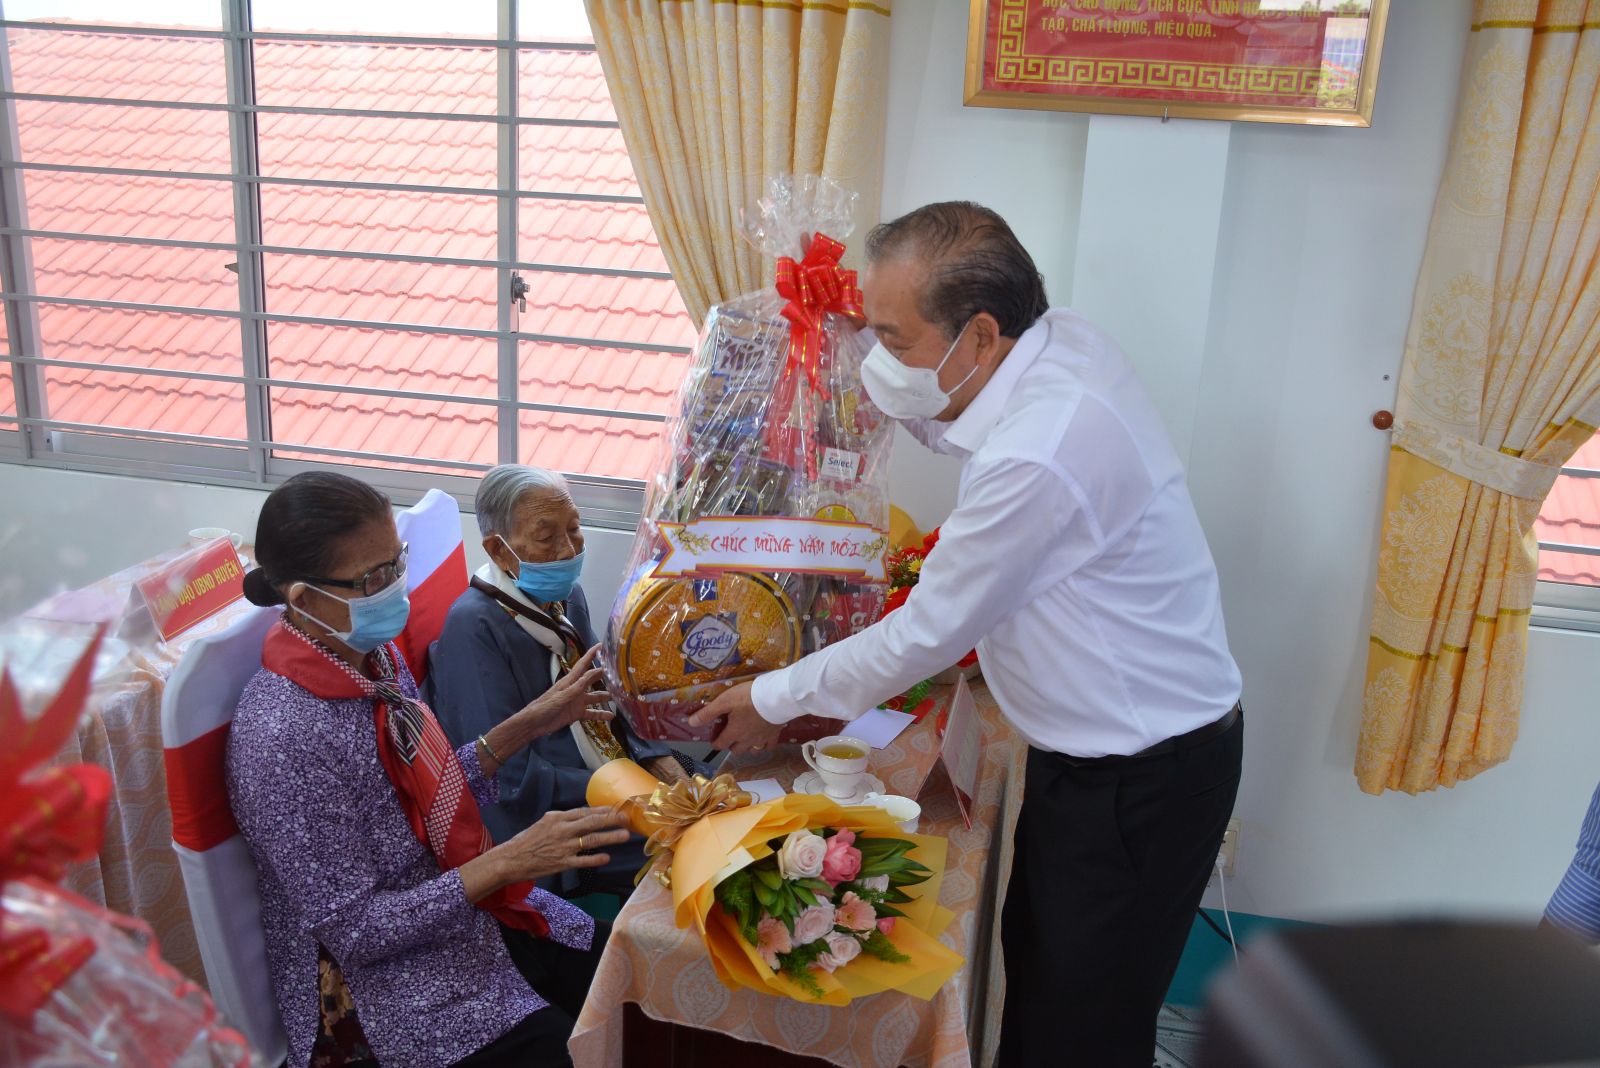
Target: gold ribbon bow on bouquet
{"points": [[663, 813], [669, 811]]}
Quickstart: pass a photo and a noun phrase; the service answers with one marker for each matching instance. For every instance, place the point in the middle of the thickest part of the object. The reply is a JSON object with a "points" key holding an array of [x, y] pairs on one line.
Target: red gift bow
{"points": [[47, 821], [814, 287]]}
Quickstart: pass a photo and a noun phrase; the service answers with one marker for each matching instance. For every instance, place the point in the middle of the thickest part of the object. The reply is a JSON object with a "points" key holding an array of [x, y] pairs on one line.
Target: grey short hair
{"points": [[503, 488]]}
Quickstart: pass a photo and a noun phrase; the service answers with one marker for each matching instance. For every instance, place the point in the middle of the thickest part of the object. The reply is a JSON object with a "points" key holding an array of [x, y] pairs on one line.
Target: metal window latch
{"points": [[519, 291]]}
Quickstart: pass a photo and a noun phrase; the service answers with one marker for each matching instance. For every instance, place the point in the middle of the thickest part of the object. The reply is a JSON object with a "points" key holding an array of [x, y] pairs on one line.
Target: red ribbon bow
{"points": [[48, 820], [814, 287]]}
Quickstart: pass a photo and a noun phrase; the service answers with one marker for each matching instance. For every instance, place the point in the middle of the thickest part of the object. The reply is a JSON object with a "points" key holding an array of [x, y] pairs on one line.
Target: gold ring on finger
{"points": [[580, 843]]}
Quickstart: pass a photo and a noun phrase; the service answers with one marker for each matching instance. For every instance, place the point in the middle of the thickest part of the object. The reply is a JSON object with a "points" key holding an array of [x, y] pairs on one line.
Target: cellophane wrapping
{"points": [[773, 440], [123, 1006]]}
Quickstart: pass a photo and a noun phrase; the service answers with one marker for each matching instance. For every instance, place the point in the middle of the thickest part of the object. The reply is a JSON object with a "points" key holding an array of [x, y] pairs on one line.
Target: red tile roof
{"points": [[460, 81], [1571, 516], [554, 84]]}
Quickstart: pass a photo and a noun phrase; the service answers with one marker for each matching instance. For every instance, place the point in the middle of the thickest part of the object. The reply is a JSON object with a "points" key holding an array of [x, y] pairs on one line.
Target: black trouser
{"points": [[559, 975], [1111, 860]]}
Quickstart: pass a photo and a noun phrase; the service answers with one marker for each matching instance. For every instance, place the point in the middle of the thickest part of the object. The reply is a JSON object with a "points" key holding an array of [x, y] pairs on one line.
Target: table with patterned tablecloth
{"points": [[666, 972], [136, 872]]}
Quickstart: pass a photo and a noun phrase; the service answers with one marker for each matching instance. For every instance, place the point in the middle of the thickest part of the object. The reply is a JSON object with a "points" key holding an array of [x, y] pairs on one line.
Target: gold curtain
{"points": [[1500, 385], [715, 96]]}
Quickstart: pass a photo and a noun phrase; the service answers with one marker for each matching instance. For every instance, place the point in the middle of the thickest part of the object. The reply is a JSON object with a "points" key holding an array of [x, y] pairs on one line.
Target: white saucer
{"points": [[808, 782]]}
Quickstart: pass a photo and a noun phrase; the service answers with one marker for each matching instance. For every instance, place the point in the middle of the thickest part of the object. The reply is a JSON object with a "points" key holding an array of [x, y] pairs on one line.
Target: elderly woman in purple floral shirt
{"points": [[397, 932]]}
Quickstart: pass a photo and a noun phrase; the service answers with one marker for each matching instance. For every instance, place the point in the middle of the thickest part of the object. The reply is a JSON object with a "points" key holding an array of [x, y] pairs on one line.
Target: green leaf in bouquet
{"points": [[887, 910], [865, 893], [769, 877], [764, 894], [735, 895], [904, 869], [796, 964], [895, 851], [816, 886], [806, 896], [803, 978], [898, 897], [877, 847], [877, 945], [904, 879], [890, 866]]}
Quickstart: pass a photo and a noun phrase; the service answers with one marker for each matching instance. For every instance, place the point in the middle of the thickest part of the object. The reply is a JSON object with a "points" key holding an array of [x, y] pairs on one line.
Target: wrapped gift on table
{"points": [[765, 524], [79, 984]]}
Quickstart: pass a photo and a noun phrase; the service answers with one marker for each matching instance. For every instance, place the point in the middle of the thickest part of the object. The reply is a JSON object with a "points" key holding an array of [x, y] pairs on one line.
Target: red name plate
{"points": [[194, 587]]}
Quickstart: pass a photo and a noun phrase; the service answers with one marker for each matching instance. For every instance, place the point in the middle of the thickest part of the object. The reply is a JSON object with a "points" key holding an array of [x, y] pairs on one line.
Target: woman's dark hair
{"points": [[301, 524], [976, 264]]}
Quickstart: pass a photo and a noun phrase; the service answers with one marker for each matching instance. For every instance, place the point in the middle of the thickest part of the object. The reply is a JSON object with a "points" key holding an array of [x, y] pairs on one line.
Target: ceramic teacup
{"points": [[200, 535], [902, 810], [840, 761]]}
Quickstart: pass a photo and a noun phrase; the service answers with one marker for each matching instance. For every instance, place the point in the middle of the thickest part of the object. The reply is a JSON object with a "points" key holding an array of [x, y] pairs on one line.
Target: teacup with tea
{"points": [[840, 761]]}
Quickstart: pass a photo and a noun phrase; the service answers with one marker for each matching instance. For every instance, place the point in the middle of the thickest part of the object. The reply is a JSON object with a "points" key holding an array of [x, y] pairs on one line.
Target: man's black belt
{"points": [[1176, 744]]}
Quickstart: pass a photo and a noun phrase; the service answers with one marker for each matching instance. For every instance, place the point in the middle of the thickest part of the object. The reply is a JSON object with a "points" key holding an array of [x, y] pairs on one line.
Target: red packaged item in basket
{"points": [[79, 984], [765, 523]]}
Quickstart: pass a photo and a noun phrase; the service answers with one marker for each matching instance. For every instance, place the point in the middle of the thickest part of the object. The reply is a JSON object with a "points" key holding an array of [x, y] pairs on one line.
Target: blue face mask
{"points": [[373, 620], [546, 582]]}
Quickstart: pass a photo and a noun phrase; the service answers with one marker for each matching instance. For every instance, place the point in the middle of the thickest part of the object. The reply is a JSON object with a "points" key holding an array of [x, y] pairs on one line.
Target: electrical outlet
{"points": [[1229, 854]]}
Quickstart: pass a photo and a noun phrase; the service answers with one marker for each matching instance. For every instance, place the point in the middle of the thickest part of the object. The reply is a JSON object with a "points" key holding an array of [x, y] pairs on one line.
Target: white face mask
{"points": [[903, 392]]}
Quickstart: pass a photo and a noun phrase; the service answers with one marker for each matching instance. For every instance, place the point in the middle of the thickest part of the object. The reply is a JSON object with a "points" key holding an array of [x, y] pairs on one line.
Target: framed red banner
{"points": [[1304, 61]]}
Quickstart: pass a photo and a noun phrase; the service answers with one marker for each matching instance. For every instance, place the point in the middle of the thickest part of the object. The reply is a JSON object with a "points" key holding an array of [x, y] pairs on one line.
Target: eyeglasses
{"points": [[378, 579]]}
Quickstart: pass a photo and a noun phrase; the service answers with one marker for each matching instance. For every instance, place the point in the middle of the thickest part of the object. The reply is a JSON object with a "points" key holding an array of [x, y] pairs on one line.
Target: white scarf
{"points": [[548, 638]]}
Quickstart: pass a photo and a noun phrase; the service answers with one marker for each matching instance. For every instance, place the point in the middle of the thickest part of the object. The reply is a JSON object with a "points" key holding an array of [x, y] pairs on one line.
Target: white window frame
{"points": [[32, 437], [1568, 605]]}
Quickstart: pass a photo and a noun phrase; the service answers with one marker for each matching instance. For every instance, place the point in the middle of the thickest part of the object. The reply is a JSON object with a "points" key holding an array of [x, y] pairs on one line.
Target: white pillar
{"points": [[1147, 249]]}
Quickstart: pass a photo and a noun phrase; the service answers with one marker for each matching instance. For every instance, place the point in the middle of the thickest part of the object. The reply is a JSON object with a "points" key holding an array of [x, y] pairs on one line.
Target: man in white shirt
{"points": [[1076, 565]]}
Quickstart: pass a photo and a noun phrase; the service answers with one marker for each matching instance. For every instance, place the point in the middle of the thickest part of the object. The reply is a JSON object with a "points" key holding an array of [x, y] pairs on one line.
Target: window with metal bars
{"points": [[1568, 528], [239, 238]]}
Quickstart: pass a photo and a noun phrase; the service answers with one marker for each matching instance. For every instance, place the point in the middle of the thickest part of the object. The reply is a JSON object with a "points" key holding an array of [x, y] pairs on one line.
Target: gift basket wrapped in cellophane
{"points": [[79, 984], [765, 522]]}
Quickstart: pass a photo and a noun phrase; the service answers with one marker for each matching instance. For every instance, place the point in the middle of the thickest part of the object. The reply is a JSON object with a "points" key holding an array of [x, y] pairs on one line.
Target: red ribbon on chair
{"points": [[814, 287], [48, 820]]}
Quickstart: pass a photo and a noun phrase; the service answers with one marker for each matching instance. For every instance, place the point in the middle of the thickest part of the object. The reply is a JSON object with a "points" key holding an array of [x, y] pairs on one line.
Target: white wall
{"points": [[1321, 236]]}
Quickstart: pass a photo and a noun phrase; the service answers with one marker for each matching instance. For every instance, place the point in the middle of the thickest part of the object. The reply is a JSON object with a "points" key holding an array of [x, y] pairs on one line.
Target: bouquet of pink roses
{"points": [[821, 900], [797, 897]]}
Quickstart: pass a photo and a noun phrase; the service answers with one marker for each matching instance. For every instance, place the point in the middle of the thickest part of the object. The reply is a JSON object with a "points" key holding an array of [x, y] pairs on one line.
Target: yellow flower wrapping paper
{"points": [[724, 842]]}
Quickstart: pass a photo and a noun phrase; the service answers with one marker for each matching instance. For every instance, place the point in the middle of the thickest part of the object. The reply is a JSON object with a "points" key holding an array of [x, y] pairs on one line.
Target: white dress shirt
{"points": [[1073, 561]]}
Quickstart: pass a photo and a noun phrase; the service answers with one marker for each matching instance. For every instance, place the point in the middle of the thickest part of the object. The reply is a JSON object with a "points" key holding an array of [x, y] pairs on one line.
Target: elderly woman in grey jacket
{"points": [[523, 624]]}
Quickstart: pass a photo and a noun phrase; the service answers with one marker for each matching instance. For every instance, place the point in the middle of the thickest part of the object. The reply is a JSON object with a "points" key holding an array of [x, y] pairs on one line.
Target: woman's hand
{"points": [[572, 697], [560, 841]]}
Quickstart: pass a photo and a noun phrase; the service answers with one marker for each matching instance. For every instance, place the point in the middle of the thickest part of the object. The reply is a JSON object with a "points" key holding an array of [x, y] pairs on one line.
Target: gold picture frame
{"points": [[1175, 102]]}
